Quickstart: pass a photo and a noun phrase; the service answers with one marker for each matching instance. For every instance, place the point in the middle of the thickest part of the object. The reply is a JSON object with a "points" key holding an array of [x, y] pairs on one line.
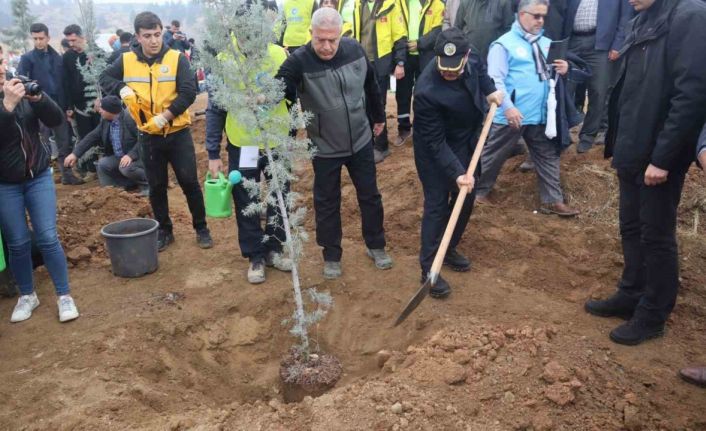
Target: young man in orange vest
{"points": [[157, 86]]}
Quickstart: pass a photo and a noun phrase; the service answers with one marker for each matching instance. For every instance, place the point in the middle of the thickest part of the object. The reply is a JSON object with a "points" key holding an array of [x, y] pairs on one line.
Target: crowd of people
{"points": [[633, 65]]}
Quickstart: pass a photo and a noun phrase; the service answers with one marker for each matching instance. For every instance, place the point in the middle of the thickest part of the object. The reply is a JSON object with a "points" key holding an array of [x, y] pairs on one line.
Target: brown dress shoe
{"points": [[560, 209], [694, 375]]}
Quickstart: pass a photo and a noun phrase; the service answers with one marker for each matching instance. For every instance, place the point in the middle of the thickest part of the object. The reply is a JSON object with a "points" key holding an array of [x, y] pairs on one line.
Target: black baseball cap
{"points": [[451, 46]]}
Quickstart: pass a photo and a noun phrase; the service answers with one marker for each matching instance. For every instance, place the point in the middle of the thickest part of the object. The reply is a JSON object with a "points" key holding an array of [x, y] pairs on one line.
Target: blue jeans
{"points": [[35, 196]]}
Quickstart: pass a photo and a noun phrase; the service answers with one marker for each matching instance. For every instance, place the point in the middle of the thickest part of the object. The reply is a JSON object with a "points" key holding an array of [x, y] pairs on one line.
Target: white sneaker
{"points": [[256, 272], [67, 308], [25, 305], [278, 261]]}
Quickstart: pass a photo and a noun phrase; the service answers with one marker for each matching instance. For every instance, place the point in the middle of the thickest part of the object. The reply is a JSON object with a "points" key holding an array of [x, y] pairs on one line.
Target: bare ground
{"points": [[193, 346]]}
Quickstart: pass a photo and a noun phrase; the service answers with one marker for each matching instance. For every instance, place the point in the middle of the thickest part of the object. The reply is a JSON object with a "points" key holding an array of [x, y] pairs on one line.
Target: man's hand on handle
{"points": [[655, 176], [466, 180], [495, 97]]}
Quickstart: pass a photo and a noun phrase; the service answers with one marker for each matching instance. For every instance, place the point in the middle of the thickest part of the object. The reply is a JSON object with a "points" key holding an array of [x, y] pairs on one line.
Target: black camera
{"points": [[32, 88]]}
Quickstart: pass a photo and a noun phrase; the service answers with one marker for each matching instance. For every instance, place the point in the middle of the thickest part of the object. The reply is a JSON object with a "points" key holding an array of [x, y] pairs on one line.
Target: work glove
{"points": [[156, 125], [127, 94], [130, 100]]}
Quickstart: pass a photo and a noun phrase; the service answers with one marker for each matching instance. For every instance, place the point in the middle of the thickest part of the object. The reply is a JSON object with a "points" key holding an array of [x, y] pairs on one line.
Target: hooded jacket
{"points": [[22, 154], [111, 80], [659, 103]]}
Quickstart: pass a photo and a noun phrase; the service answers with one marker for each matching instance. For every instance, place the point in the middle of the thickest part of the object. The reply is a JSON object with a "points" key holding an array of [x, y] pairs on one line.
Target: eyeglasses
{"points": [[537, 16]]}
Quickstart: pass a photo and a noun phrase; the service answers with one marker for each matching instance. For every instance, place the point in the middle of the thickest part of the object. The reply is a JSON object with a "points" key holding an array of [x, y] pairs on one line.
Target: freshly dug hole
{"points": [[313, 377]]}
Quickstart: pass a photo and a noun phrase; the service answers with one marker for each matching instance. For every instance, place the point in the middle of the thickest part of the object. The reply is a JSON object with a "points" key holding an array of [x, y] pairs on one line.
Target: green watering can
{"points": [[2, 256], [217, 194]]}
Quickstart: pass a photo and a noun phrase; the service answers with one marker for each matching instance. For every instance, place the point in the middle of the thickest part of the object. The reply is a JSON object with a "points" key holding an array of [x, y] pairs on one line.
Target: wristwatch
{"points": [[400, 63]]}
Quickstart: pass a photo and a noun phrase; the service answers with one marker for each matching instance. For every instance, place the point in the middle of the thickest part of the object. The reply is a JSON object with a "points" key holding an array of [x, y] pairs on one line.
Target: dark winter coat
{"points": [[442, 140], [101, 136], [613, 16], [75, 85], [659, 103], [22, 154], [118, 53], [335, 92], [46, 67], [567, 116]]}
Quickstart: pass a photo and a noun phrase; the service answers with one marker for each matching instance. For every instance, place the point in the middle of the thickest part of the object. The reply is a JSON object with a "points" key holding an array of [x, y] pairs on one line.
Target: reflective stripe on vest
{"points": [[155, 88]]}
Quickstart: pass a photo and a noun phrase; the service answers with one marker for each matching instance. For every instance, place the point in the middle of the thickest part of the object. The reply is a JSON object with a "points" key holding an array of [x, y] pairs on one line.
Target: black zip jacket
{"points": [[342, 95], [658, 106], [22, 154], [111, 79], [101, 136], [75, 86], [445, 136]]}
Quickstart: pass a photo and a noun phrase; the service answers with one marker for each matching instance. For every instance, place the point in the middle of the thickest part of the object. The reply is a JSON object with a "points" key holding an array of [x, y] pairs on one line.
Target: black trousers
{"points": [[86, 123], [177, 149], [250, 231], [381, 142], [327, 201], [405, 89], [440, 196], [648, 223]]}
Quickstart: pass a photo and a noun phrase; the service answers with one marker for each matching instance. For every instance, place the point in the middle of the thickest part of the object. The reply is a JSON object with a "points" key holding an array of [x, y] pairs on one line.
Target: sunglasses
{"points": [[537, 16]]}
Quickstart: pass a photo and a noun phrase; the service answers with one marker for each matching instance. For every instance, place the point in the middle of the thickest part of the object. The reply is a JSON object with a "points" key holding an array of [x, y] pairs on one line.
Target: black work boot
{"points": [[456, 261], [618, 305], [203, 238], [67, 174], [636, 331], [440, 289], [164, 238]]}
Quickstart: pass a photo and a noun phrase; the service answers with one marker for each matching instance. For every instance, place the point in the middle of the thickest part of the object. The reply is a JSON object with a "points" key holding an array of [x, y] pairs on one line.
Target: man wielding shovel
{"points": [[449, 108]]}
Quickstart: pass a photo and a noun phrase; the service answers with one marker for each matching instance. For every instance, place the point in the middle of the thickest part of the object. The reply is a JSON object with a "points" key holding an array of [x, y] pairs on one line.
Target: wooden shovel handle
{"points": [[444, 245]]}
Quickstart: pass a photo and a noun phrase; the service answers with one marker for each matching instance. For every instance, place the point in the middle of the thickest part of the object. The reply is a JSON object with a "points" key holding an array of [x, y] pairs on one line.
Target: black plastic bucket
{"points": [[132, 246]]}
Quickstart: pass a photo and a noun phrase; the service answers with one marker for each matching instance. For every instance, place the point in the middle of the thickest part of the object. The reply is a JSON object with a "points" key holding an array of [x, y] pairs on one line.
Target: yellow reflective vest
{"points": [[432, 15], [238, 135], [297, 15], [389, 24], [155, 88]]}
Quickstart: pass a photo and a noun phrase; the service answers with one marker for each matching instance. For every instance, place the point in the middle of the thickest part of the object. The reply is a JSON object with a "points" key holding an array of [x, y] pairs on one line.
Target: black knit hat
{"points": [[111, 104]]}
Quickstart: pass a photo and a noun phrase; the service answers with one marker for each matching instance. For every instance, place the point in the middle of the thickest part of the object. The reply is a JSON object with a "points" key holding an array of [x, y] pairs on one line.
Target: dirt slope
{"points": [[193, 346]]}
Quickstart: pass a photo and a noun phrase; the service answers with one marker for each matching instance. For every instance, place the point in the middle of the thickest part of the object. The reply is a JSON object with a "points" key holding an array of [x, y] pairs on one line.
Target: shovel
{"points": [[441, 252]]}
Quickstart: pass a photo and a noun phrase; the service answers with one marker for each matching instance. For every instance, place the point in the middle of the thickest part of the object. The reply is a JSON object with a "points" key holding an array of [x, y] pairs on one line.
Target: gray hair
{"points": [[526, 4], [326, 17]]}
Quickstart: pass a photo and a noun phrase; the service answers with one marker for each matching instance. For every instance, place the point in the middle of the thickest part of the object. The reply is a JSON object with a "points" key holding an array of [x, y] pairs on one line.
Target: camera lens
{"points": [[33, 89]]}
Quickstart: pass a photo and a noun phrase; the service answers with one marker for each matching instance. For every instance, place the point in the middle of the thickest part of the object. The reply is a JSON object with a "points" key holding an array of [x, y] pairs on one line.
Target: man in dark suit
{"points": [[117, 135], [596, 32]]}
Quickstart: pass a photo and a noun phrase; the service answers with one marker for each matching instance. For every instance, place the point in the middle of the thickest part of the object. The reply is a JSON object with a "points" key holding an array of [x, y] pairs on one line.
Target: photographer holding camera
{"points": [[175, 38], [27, 186]]}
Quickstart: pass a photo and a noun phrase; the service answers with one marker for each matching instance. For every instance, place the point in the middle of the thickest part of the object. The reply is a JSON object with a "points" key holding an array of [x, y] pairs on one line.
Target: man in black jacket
{"points": [[333, 79], [117, 135], [125, 41], [449, 105], [655, 114], [79, 104], [44, 65], [157, 85]]}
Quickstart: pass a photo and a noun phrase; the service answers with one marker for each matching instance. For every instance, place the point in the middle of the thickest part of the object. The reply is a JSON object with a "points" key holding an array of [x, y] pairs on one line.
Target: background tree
{"points": [[240, 32], [16, 36]]}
